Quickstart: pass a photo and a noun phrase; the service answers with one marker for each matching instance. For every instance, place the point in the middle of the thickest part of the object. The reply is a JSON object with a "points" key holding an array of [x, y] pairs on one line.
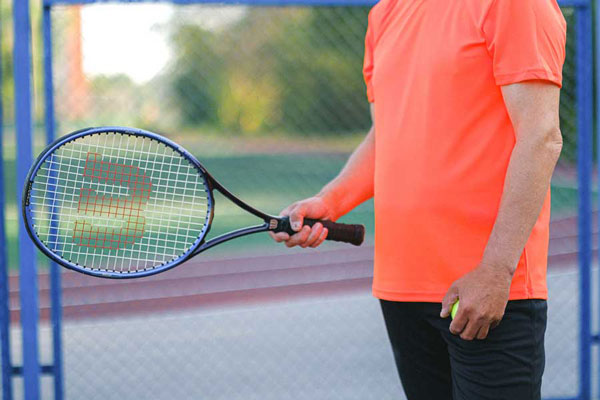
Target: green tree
{"points": [[197, 74], [6, 65], [324, 89], [279, 69], [6, 60]]}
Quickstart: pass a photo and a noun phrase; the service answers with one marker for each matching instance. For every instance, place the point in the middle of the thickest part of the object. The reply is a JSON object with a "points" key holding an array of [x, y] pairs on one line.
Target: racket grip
{"points": [[347, 233]]}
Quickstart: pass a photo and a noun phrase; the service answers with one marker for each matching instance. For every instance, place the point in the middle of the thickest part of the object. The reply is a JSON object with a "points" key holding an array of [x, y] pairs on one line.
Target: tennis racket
{"points": [[118, 202]]}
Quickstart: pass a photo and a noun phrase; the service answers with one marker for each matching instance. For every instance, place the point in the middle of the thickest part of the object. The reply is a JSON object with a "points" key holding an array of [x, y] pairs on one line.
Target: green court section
{"points": [[270, 182]]}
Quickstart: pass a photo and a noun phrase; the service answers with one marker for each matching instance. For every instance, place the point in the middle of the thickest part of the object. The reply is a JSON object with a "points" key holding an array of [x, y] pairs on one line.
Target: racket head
{"points": [[117, 202]]}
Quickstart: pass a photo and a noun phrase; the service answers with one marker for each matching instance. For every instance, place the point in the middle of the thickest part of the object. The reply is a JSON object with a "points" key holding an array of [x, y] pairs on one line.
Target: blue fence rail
{"points": [[23, 124], [31, 369], [585, 156], [55, 278]]}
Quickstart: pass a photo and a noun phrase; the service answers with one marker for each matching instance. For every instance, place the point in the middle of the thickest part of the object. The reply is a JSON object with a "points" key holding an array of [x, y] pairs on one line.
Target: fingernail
{"points": [[296, 226]]}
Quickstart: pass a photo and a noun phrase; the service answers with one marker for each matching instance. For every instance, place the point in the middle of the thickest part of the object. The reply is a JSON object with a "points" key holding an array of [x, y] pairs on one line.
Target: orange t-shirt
{"points": [[443, 136]]}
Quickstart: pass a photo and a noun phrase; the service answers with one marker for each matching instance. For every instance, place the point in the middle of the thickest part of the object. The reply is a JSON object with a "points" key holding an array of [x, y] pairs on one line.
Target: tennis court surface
{"points": [[298, 325]]}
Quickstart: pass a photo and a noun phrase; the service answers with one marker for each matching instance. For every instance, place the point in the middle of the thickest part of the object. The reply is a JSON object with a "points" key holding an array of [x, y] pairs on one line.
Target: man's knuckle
{"points": [[482, 316]]}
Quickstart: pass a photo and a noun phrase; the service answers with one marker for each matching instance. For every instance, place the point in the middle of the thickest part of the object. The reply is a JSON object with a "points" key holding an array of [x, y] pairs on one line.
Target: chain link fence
{"points": [[272, 101]]}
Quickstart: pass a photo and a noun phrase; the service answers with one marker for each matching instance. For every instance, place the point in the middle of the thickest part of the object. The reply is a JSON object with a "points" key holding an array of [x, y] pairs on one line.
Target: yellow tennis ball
{"points": [[454, 309]]}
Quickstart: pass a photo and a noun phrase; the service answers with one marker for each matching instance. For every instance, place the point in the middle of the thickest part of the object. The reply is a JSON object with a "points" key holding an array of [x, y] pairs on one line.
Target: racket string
{"points": [[174, 214]]}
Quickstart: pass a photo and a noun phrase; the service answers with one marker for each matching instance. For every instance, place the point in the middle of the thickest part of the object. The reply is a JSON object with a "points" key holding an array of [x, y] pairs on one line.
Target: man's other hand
{"points": [[483, 295]]}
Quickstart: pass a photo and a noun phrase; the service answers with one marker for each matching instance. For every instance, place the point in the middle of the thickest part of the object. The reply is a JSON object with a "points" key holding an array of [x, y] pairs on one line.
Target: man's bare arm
{"points": [[352, 186], [354, 183], [533, 110]]}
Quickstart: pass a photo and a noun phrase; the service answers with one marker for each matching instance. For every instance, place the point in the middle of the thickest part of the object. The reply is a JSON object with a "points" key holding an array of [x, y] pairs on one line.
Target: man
{"points": [[464, 99]]}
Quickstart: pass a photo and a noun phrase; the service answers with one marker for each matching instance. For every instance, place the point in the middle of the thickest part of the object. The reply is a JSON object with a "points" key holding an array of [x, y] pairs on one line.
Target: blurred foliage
{"points": [[301, 74], [118, 93], [198, 74], [292, 71], [6, 60], [6, 64], [568, 103], [270, 70], [331, 73]]}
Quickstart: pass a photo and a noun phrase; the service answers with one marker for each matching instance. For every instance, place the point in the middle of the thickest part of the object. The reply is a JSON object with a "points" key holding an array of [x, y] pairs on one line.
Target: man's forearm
{"points": [[525, 188], [354, 184]]}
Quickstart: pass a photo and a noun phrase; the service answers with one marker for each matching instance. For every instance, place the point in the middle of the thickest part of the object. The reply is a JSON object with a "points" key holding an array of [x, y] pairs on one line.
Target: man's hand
{"points": [[313, 207], [483, 295]]}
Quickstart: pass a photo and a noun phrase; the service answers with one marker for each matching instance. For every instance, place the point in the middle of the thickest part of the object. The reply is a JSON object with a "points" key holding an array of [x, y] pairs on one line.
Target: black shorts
{"points": [[433, 364]]}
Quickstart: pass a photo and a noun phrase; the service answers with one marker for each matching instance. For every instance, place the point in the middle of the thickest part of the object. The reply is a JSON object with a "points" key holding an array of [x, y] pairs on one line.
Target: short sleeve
{"points": [[368, 63], [526, 39]]}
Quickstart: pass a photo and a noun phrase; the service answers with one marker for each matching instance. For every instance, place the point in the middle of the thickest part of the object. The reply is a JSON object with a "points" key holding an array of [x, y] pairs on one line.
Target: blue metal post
{"points": [[584, 162], [27, 271], [55, 285], [4, 311]]}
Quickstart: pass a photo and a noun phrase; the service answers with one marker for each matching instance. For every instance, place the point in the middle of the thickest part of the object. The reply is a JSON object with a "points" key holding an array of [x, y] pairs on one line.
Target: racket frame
{"points": [[271, 223]]}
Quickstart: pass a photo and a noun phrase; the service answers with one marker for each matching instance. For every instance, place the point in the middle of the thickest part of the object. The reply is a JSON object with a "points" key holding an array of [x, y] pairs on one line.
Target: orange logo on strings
{"points": [[128, 209]]}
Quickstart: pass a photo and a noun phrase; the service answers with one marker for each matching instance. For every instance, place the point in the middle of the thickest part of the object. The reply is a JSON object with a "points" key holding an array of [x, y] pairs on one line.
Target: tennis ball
{"points": [[454, 309]]}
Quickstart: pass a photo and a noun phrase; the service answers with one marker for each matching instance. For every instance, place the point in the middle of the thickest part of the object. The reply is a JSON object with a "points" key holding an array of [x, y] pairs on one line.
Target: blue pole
{"points": [[4, 311], [55, 285], [23, 124], [584, 163]]}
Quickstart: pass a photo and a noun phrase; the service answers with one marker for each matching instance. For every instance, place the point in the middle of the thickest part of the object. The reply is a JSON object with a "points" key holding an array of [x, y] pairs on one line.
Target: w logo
{"points": [[128, 209]]}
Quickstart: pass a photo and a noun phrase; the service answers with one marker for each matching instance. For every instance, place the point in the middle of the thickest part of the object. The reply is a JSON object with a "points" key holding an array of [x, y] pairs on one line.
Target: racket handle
{"points": [[347, 233]]}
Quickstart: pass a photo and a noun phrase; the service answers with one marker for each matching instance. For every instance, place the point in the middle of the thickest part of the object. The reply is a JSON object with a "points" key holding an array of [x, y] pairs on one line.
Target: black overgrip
{"points": [[347, 233]]}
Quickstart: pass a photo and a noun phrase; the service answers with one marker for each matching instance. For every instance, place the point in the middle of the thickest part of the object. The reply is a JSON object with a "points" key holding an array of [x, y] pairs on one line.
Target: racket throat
{"points": [[281, 224]]}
